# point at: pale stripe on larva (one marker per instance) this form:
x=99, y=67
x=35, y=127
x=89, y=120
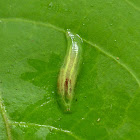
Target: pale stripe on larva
x=69, y=70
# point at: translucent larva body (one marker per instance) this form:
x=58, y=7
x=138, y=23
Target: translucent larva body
x=69, y=70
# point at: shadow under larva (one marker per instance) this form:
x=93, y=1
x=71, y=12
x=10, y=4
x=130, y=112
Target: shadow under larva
x=69, y=71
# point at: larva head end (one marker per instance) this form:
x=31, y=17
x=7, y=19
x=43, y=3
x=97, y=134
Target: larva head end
x=69, y=34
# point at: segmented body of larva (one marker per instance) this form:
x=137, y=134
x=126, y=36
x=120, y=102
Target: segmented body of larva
x=70, y=69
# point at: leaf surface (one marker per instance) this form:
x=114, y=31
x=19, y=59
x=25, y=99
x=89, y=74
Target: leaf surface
x=32, y=49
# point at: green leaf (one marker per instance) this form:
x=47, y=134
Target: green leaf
x=32, y=49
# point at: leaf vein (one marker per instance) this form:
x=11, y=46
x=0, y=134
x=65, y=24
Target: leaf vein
x=25, y=124
x=90, y=43
x=3, y=112
x=132, y=5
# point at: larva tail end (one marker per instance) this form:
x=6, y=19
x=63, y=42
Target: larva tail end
x=64, y=105
x=68, y=110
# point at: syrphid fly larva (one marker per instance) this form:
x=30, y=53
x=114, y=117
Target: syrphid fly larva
x=69, y=70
